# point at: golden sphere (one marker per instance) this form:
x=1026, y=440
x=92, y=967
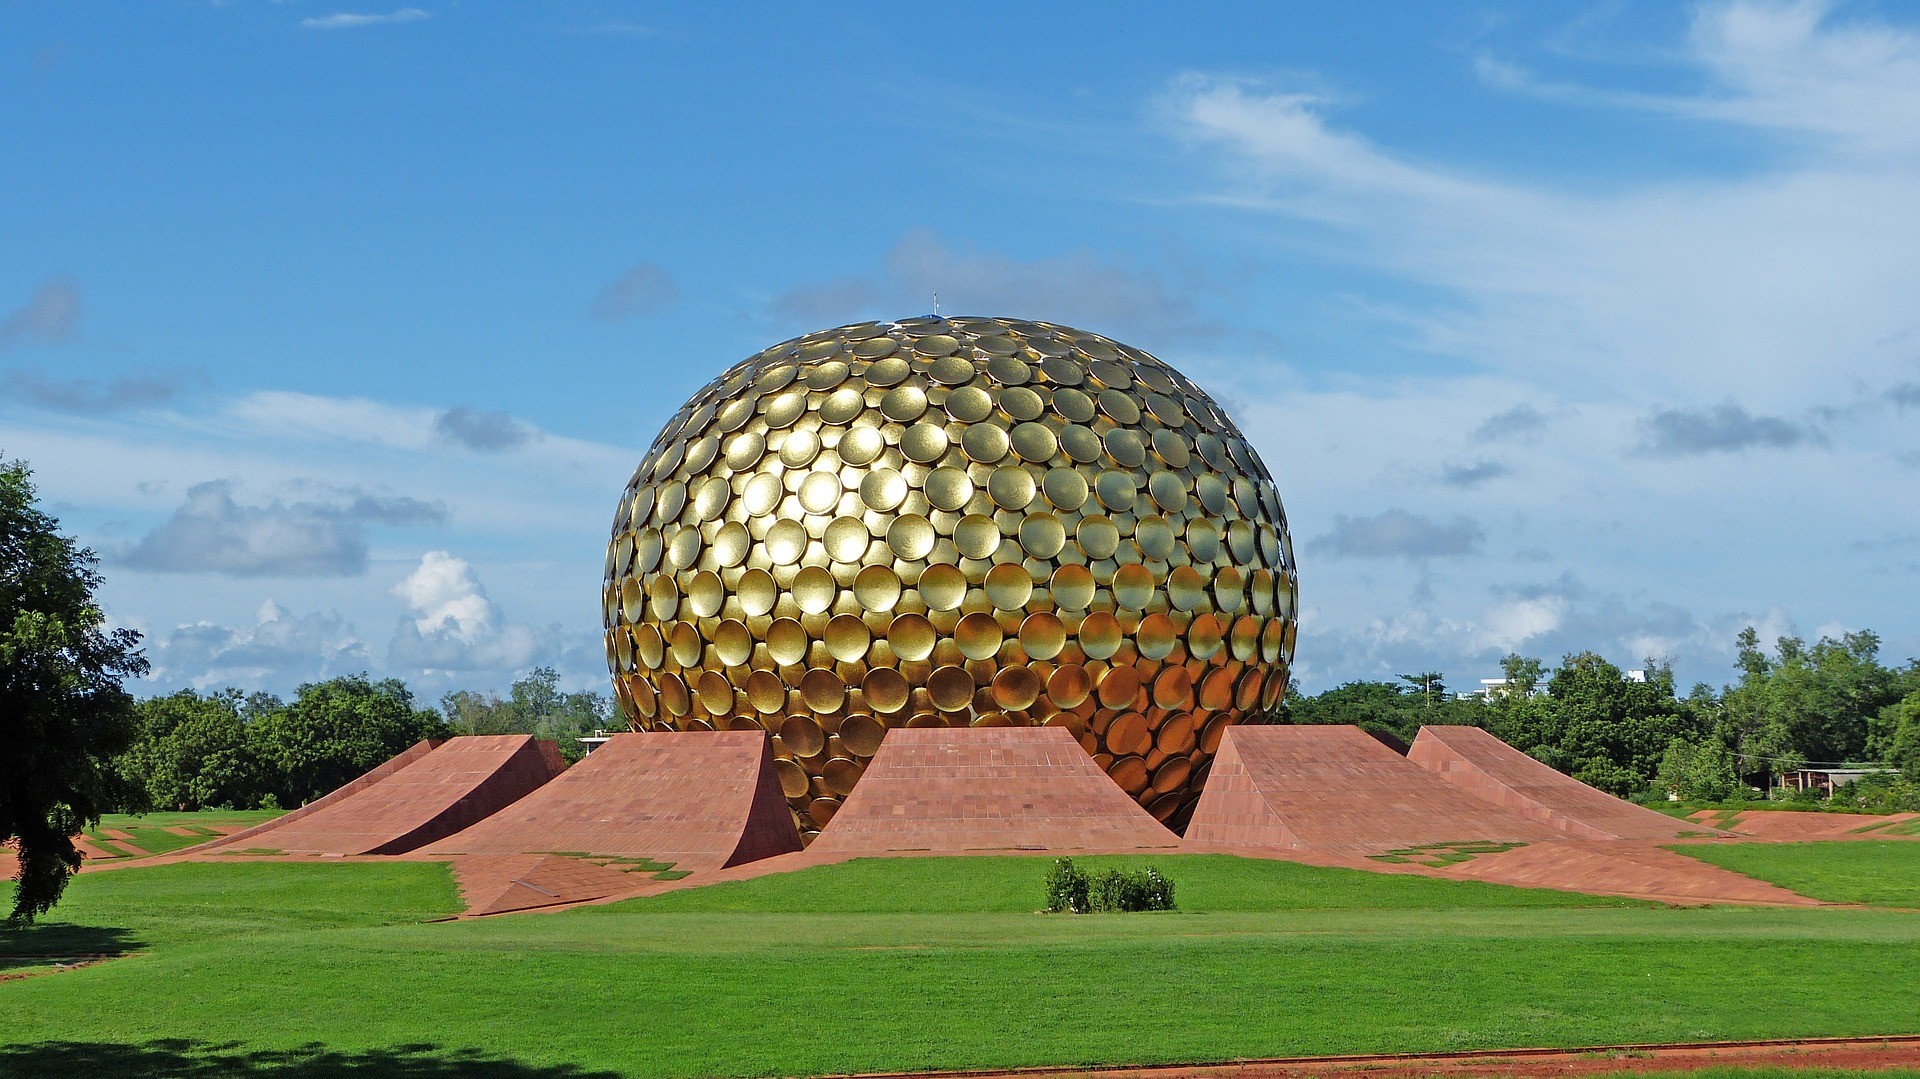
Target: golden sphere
x=952, y=522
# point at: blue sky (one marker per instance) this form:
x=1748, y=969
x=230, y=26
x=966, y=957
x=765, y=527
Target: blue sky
x=337, y=329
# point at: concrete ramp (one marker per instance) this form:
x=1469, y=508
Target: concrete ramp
x=423, y=794
x=1336, y=789
x=700, y=800
x=988, y=788
x=1492, y=770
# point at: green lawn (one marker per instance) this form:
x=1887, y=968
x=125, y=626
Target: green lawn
x=1883, y=874
x=150, y=835
x=914, y=963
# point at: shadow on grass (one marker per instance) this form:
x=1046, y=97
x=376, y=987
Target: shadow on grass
x=46, y=942
x=184, y=1059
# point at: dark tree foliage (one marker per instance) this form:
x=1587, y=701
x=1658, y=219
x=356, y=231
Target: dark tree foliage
x=1396, y=708
x=63, y=713
x=534, y=705
x=335, y=731
x=195, y=751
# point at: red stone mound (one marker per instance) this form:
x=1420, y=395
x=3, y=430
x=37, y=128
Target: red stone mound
x=432, y=793
x=1337, y=789
x=1495, y=771
x=987, y=788
x=698, y=799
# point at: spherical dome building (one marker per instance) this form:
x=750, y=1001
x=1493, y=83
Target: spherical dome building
x=952, y=522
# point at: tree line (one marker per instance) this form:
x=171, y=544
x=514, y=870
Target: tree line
x=1829, y=702
x=234, y=750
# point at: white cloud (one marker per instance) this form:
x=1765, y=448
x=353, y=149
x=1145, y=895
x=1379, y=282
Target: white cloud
x=278, y=649
x=454, y=626
x=347, y=20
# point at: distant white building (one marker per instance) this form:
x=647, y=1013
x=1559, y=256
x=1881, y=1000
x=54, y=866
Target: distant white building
x=1495, y=688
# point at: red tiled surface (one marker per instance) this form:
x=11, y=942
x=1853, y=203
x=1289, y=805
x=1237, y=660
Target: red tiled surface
x=1335, y=788
x=398, y=761
x=1788, y=825
x=699, y=799
x=502, y=883
x=987, y=788
x=1496, y=772
x=431, y=795
x=1635, y=869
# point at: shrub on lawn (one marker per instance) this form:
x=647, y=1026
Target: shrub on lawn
x=1071, y=890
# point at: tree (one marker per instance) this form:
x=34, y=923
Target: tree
x=335, y=731
x=64, y=715
x=535, y=705
x=1903, y=750
x=194, y=751
x=1819, y=703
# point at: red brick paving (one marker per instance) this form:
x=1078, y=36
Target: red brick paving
x=1334, y=788
x=1496, y=772
x=699, y=799
x=1779, y=824
x=987, y=788
x=347, y=790
x=1628, y=868
x=504, y=883
x=430, y=796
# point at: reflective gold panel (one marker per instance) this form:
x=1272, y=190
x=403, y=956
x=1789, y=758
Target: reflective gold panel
x=952, y=522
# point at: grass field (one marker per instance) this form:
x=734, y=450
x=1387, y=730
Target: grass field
x=914, y=963
x=1883, y=874
x=150, y=835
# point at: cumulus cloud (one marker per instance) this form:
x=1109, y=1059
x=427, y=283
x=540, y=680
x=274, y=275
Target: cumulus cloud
x=1475, y=474
x=1521, y=423
x=1399, y=534
x=643, y=290
x=90, y=397
x=348, y=20
x=213, y=533
x=280, y=648
x=1724, y=428
x=1079, y=288
x=453, y=625
x=51, y=315
x=487, y=432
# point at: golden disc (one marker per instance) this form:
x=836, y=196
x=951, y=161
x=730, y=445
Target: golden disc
x=1099, y=635
x=948, y=488
x=1098, y=536
x=885, y=689
x=1016, y=688
x=976, y=536
x=1173, y=689
x=911, y=536
x=786, y=542
x=903, y=404
x=883, y=490
x=1186, y=589
x=951, y=370
x=911, y=637
x=1118, y=687
x=1130, y=773
x=827, y=375
x=1117, y=491
x=1010, y=486
x=1020, y=404
x=732, y=643
x=861, y=446
x=1080, y=444
x=793, y=778
x=802, y=736
x=1216, y=690
x=1009, y=586
x=763, y=493
x=1042, y=635
x=685, y=643
x=847, y=638
x=985, y=443
x=1073, y=405
x=841, y=774
x=1072, y=588
x=813, y=589
x=1169, y=490
x=978, y=635
x=950, y=688
x=1033, y=442
x=731, y=544
x=943, y=587
x=1124, y=446
x=757, y=592
x=799, y=448
x=1204, y=637
x=716, y=693
x=877, y=588
x=1128, y=734
x=649, y=647
x=1069, y=685
x=786, y=642
x=969, y=404
x=820, y=492
x=846, y=540
x=924, y=443
x=862, y=734
x=1154, y=537
x=1157, y=636
x=1042, y=536
x=765, y=692
x=1133, y=587
x=1065, y=487
x=822, y=690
